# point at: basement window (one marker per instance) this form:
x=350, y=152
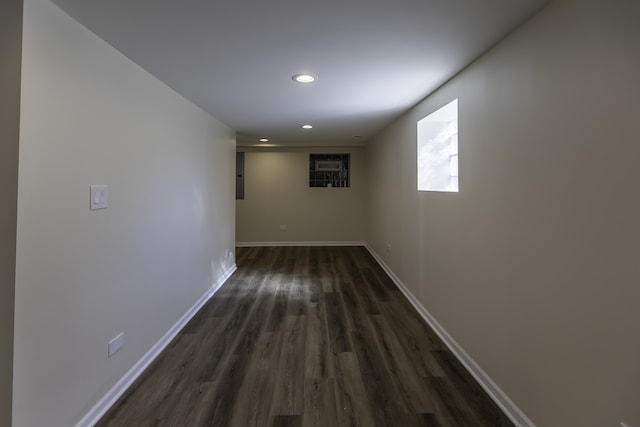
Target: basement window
x=328, y=170
x=438, y=150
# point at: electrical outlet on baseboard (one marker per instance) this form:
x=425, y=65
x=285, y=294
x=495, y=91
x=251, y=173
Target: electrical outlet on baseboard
x=116, y=343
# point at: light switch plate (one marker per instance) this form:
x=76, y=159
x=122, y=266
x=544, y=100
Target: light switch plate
x=99, y=195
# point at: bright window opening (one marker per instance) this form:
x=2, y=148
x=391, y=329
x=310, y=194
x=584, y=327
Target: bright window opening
x=438, y=150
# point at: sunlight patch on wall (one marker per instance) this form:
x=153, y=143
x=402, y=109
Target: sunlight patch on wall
x=438, y=150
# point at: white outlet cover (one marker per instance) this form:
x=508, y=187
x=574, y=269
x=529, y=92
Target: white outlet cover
x=99, y=197
x=116, y=344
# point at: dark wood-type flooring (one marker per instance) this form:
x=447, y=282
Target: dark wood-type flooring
x=306, y=336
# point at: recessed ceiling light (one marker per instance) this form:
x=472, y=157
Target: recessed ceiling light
x=264, y=140
x=304, y=78
x=307, y=126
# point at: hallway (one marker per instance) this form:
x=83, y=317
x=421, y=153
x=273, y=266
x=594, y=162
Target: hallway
x=306, y=336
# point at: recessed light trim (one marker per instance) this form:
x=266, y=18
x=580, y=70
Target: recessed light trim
x=304, y=78
x=307, y=126
x=264, y=139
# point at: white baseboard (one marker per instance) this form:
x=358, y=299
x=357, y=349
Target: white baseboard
x=109, y=399
x=316, y=243
x=497, y=395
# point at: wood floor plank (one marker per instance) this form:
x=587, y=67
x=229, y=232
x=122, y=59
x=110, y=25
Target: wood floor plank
x=191, y=405
x=355, y=286
x=336, y=322
x=450, y=408
x=314, y=263
x=318, y=358
x=233, y=369
x=378, y=288
x=469, y=391
x=280, y=288
x=298, y=298
x=288, y=393
x=286, y=421
x=155, y=387
x=319, y=403
x=301, y=261
x=199, y=408
x=253, y=405
x=352, y=404
x=370, y=287
x=306, y=336
x=313, y=287
x=428, y=420
x=411, y=387
x=417, y=340
x=284, y=262
x=382, y=394
x=215, y=348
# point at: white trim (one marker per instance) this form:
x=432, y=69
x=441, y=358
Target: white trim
x=104, y=404
x=317, y=243
x=497, y=395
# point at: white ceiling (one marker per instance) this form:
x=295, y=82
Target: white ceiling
x=373, y=59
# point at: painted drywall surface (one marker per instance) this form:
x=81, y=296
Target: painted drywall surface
x=90, y=116
x=533, y=267
x=277, y=193
x=10, y=58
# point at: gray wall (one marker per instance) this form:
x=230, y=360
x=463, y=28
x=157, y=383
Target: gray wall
x=10, y=64
x=91, y=116
x=533, y=267
x=277, y=192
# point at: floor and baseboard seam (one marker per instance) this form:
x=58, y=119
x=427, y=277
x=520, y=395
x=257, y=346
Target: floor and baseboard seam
x=490, y=387
x=112, y=396
x=309, y=243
